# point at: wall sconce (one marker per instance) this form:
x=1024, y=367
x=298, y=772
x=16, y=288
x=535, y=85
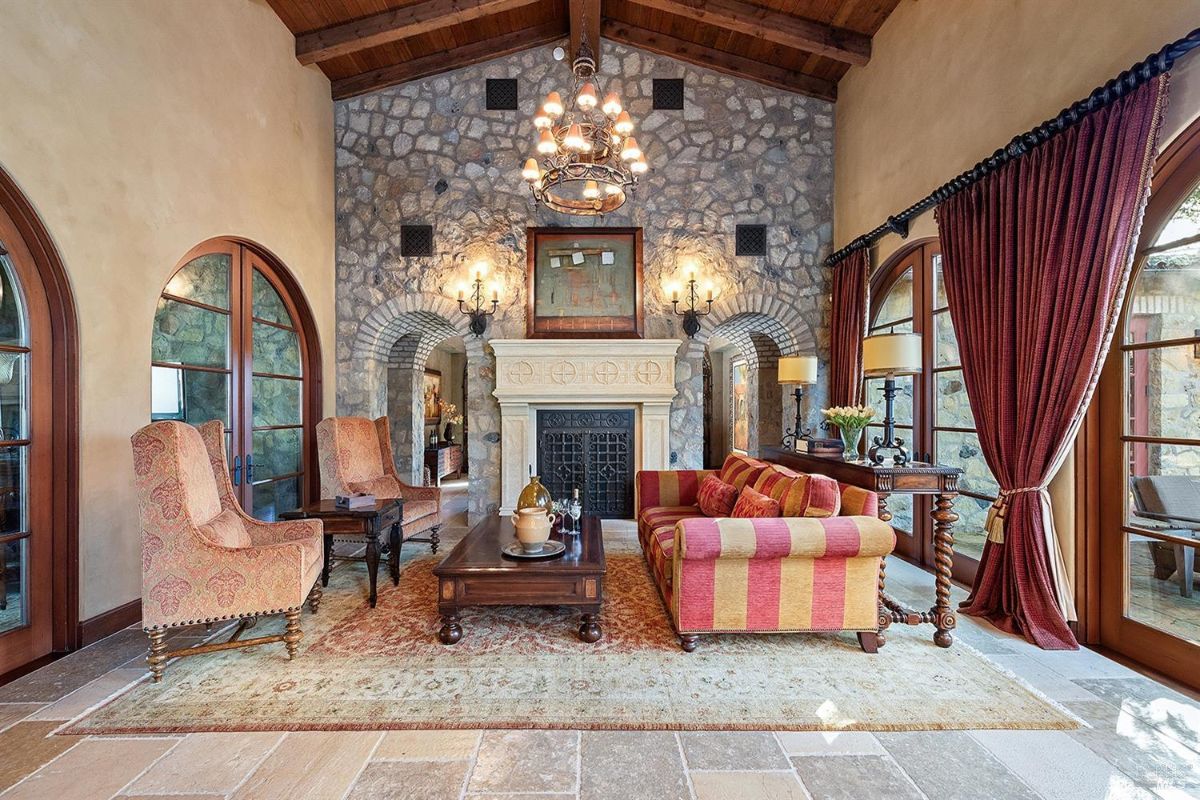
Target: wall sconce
x=475, y=307
x=801, y=371
x=691, y=315
x=889, y=355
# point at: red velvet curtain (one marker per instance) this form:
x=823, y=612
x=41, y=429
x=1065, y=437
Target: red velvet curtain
x=1036, y=261
x=847, y=326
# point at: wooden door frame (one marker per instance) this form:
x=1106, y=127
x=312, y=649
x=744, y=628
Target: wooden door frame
x=297, y=305
x=1100, y=493
x=64, y=379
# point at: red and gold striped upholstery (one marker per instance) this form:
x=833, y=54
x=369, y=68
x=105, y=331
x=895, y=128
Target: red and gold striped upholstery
x=761, y=574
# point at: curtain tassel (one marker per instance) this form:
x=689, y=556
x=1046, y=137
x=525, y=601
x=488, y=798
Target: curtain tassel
x=999, y=511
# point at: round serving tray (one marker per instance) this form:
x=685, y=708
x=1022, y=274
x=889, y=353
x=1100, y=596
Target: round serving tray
x=550, y=549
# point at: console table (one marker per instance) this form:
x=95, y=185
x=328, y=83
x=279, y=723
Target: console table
x=445, y=459
x=885, y=479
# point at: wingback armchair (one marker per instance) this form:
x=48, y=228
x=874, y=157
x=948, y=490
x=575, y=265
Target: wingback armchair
x=204, y=560
x=356, y=457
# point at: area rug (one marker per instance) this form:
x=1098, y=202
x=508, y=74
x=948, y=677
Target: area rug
x=383, y=668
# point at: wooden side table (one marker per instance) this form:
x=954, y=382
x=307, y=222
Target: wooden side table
x=369, y=522
x=914, y=477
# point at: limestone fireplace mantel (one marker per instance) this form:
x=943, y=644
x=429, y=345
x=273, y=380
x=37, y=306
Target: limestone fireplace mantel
x=533, y=374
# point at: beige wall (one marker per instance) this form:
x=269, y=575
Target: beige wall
x=139, y=128
x=952, y=80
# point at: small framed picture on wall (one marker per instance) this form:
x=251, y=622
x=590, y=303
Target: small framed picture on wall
x=433, y=396
x=740, y=372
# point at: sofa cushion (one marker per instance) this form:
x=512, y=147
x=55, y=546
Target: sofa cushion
x=741, y=471
x=716, y=498
x=755, y=504
x=656, y=516
x=812, y=496
x=774, y=481
x=226, y=530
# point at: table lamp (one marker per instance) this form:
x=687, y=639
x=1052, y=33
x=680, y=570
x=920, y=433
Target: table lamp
x=801, y=371
x=889, y=355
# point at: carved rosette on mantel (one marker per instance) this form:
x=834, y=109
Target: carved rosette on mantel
x=533, y=374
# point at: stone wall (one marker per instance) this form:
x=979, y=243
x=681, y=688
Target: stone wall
x=427, y=152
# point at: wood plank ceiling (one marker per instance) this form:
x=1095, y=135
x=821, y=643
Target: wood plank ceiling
x=800, y=45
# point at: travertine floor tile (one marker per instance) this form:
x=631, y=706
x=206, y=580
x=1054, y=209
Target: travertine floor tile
x=621, y=765
x=25, y=748
x=11, y=713
x=207, y=762
x=816, y=743
x=747, y=786
x=427, y=745
x=170, y=797
x=311, y=765
x=54, y=681
x=1151, y=758
x=526, y=761
x=1042, y=678
x=520, y=796
x=854, y=778
x=95, y=768
x=1073, y=773
x=88, y=695
x=1171, y=712
x=963, y=769
x=410, y=780
x=732, y=750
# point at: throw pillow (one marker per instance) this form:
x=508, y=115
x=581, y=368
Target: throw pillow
x=740, y=471
x=813, y=496
x=716, y=498
x=755, y=504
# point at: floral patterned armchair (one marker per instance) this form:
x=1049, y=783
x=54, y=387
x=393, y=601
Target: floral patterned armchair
x=204, y=560
x=356, y=457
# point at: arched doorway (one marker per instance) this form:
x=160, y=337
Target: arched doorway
x=1149, y=448
x=234, y=340
x=39, y=458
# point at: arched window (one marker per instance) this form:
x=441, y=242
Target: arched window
x=1150, y=440
x=932, y=410
x=232, y=341
x=38, y=440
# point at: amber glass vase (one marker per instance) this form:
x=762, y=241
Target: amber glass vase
x=535, y=495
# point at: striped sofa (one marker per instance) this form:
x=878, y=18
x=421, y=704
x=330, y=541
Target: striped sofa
x=725, y=575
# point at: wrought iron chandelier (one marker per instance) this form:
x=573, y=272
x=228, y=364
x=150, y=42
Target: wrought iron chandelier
x=589, y=159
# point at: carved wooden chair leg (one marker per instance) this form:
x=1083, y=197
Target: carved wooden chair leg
x=157, y=657
x=314, y=597
x=689, y=642
x=868, y=641
x=434, y=539
x=292, y=634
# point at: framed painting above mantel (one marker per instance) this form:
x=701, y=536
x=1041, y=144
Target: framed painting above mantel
x=584, y=283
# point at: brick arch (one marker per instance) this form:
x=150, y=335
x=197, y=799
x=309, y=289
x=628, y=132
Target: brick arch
x=748, y=315
x=432, y=316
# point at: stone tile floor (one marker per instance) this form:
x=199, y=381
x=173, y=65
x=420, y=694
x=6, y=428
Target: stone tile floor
x=1144, y=743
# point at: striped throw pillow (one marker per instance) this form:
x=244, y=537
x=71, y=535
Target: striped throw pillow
x=755, y=504
x=740, y=471
x=812, y=496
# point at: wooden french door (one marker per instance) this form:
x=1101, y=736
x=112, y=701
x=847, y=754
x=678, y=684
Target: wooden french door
x=229, y=345
x=26, y=458
x=932, y=411
x=1149, y=407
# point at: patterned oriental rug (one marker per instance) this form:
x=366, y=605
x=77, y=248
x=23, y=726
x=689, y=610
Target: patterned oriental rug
x=524, y=668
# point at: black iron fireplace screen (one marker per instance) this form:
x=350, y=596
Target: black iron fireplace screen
x=592, y=451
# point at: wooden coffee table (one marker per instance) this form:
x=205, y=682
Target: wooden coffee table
x=477, y=574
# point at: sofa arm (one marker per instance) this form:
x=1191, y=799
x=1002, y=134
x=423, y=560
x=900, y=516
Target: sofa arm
x=707, y=539
x=669, y=487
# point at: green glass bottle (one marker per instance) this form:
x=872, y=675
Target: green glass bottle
x=535, y=495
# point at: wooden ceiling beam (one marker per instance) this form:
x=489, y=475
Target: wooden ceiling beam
x=446, y=60
x=784, y=29
x=720, y=60
x=389, y=26
x=585, y=21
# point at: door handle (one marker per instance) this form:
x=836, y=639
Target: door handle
x=249, y=468
x=237, y=470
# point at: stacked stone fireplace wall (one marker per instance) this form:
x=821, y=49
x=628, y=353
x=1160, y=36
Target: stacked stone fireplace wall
x=427, y=152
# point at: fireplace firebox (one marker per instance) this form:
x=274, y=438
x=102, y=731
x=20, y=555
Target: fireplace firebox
x=593, y=451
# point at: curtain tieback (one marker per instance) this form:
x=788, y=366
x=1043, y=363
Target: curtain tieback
x=999, y=510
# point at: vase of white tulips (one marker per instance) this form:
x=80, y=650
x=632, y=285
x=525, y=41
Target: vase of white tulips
x=850, y=421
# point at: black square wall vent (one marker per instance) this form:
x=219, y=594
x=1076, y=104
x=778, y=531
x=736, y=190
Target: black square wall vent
x=751, y=240
x=416, y=240
x=668, y=94
x=501, y=94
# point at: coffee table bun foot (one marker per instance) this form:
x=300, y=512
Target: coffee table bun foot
x=589, y=629
x=450, y=631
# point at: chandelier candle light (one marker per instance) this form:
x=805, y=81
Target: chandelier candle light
x=477, y=309
x=589, y=158
x=691, y=315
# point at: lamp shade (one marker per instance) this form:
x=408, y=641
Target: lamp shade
x=892, y=354
x=798, y=369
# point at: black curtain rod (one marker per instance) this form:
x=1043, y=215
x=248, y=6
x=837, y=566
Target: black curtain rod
x=1140, y=73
